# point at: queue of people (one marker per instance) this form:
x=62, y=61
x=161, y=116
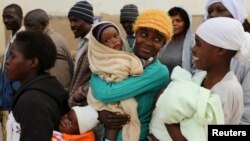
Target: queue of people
x=144, y=87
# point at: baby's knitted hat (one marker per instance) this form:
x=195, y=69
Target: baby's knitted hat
x=82, y=10
x=129, y=12
x=97, y=31
x=157, y=20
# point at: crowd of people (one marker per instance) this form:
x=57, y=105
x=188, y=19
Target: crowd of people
x=160, y=83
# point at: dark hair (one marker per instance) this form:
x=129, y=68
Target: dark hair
x=39, y=15
x=34, y=44
x=17, y=8
x=246, y=25
x=183, y=14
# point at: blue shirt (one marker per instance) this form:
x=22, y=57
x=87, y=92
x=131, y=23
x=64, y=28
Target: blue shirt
x=7, y=89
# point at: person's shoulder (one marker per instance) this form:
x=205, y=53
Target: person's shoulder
x=57, y=35
x=230, y=79
x=229, y=86
x=157, y=64
x=237, y=66
x=57, y=38
x=30, y=100
x=32, y=95
x=156, y=67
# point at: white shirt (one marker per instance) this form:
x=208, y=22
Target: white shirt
x=231, y=95
x=82, y=47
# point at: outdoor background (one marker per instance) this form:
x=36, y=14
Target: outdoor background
x=106, y=9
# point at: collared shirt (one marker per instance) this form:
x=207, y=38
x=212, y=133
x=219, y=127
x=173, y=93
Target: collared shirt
x=82, y=47
x=131, y=40
x=11, y=40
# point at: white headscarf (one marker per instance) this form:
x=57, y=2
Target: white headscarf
x=226, y=33
x=235, y=7
x=187, y=45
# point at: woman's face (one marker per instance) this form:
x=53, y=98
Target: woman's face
x=203, y=53
x=178, y=24
x=217, y=9
x=17, y=66
x=69, y=124
x=148, y=43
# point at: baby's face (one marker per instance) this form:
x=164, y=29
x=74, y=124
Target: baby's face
x=111, y=38
x=68, y=123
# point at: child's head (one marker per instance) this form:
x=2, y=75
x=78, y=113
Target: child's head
x=108, y=34
x=217, y=43
x=78, y=120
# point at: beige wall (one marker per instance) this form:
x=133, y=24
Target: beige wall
x=108, y=9
x=61, y=25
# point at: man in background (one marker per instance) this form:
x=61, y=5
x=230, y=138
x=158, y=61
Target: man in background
x=12, y=19
x=81, y=18
x=128, y=15
x=38, y=20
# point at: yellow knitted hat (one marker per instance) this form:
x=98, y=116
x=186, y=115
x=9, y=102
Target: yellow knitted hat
x=155, y=19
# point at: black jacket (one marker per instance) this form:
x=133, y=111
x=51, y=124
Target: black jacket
x=38, y=106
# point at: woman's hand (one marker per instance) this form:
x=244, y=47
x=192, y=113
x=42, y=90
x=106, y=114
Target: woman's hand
x=113, y=120
x=151, y=137
x=174, y=131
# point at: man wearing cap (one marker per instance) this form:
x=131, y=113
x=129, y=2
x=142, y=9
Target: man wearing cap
x=81, y=18
x=129, y=13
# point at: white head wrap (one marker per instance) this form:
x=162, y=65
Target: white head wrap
x=235, y=7
x=226, y=33
x=187, y=45
x=86, y=117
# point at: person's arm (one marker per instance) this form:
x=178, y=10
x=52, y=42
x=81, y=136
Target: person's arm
x=155, y=76
x=159, y=94
x=193, y=67
x=151, y=137
x=78, y=98
x=246, y=91
x=63, y=68
x=61, y=71
x=112, y=120
x=243, y=75
x=111, y=133
x=174, y=130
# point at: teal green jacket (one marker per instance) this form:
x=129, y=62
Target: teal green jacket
x=143, y=88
